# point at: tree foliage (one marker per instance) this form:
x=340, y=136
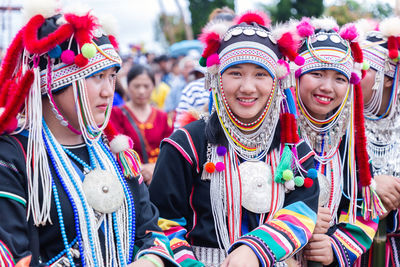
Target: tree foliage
x=283, y=10
x=200, y=10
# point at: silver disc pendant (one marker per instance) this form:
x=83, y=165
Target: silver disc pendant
x=103, y=191
x=324, y=190
x=256, y=177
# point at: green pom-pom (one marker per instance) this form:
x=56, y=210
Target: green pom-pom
x=287, y=175
x=365, y=65
x=203, y=62
x=88, y=50
x=396, y=59
x=298, y=181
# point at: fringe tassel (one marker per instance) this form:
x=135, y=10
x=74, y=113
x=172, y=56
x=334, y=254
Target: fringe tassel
x=372, y=206
x=129, y=162
x=284, y=164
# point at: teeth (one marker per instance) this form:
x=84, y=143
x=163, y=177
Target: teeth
x=246, y=100
x=324, y=98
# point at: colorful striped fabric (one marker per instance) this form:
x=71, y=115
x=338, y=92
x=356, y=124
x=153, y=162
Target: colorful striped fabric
x=6, y=258
x=175, y=230
x=349, y=241
x=160, y=248
x=283, y=236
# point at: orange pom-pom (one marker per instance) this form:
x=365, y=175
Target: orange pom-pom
x=209, y=167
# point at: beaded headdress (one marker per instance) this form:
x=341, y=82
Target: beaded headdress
x=325, y=47
x=381, y=51
x=249, y=41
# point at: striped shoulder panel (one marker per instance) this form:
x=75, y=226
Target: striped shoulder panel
x=183, y=142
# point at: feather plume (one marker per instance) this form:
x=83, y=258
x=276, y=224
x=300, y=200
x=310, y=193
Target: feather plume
x=390, y=27
x=219, y=27
x=305, y=28
x=254, y=16
x=325, y=23
x=349, y=32
x=46, y=8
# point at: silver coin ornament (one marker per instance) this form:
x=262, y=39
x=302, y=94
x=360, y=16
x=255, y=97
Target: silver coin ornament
x=324, y=190
x=256, y=178
x=103, y=191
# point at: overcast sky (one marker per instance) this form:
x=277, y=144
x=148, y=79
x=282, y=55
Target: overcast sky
x=136, y=18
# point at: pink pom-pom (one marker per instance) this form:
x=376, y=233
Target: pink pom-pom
x=336, y=28
x=349, y=32
x=67, y=57
x=297, y=73
x=355, y=78
x=304, y=28
x=220, y=166
x=299, y=60
x=213, y=60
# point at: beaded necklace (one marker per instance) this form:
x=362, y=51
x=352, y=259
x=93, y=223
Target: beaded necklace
x=119, y=226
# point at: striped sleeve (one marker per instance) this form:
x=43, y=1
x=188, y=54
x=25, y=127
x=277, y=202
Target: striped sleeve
x=393, y=220
x=6, y=258
x=349, y=241
x=175, y=230
x=292, y=226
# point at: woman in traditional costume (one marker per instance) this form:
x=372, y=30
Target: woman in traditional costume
x=238, y=188
x=64, y=199
x=382, y=123
x=330, y=119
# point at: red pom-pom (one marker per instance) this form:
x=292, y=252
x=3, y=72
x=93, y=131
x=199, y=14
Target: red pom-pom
x=308, y=182
x=288, y=46
x=67, y=57
x=363, y=74
x=257, y=17
x=209, y=167
x=212, y=42
x=81, y=61
x=220, y=166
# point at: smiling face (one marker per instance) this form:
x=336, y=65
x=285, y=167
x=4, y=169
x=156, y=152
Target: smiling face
x=100, y=91
x=247, y=88
x=321, y=91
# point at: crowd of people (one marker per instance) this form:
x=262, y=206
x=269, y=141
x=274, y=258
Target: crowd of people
x=279, y=145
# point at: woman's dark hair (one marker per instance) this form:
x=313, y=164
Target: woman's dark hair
x=139, y=69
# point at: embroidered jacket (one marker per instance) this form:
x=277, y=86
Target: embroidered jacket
x=44, y=243
x=185, y=207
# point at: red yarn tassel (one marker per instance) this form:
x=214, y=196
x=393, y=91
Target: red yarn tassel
x=83, y=25
x=357, y=52
x=392, y=47
x=35, y=46
x=15, y=103
x=5, y=92
x=361, y=140
x=10, y=60
x=113, y=41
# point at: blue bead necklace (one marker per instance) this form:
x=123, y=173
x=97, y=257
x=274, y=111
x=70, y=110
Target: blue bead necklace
x=81, y=197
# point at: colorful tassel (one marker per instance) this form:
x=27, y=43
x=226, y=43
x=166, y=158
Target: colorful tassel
x=284, y=164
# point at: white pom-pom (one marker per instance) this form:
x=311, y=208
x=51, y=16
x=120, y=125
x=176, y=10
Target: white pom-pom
x=77, y=9
x=364, y=26
x=120, y=143
x=109, y=24
x=46, y=8
x=325, y=23
x=220, y=27
x=281, y=71
x=289, y=184
x=390, y=27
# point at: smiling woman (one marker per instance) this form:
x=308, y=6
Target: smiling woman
x=228, y=184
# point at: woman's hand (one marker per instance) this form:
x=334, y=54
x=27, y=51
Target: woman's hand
x=323, y=219
x=143, y=262
x=388, y=189
x=147, y=172
x=319, y=249
x=242, y=256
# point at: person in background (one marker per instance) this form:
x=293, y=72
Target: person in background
x=165, y=63
x=146, y=125
x=71, y=189
x=161, y=89
x=194, y=100
x=382, y=123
